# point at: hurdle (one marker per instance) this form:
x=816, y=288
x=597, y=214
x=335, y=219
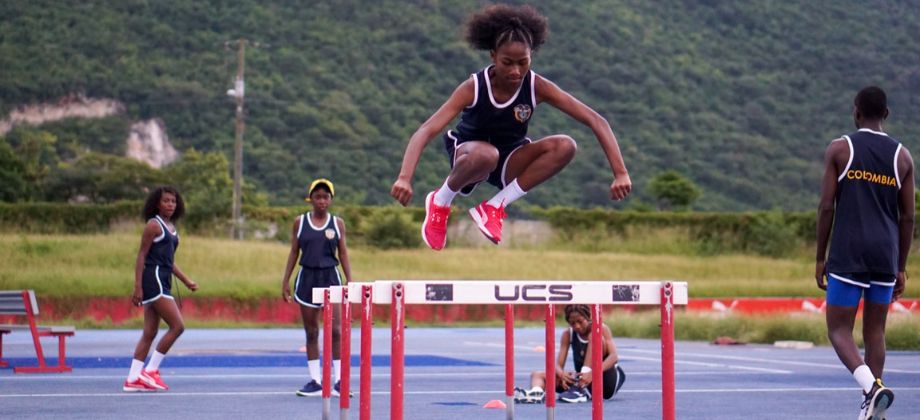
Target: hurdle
x=397, y=294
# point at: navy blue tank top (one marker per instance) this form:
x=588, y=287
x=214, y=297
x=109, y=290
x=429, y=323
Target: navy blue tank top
x=865, y=234
x=499, y=124
x=163, y=249
x=318, y=244
x=579, y=348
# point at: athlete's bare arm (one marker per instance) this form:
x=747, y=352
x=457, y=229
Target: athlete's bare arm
x=905, y=219
x=292, y=259
x=835, y=159
x=343, y=251
x=552, y=94
x=461, y=98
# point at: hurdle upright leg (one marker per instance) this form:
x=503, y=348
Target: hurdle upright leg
x=597, y=363
x=345, y=377
x=550, y=362
x=367, y=321
x=397, y=352
x=327, y=355
x=509, y=361
x=668, y=411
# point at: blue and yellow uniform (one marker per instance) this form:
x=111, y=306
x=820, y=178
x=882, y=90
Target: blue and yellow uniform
x=503, y=125
x=318, y=261
x=864, y=241
x=158, y=264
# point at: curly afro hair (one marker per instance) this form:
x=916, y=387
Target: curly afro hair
x=498, y=24
x=152, y=204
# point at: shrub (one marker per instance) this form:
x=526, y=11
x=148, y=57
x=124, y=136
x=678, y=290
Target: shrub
x=392, y=229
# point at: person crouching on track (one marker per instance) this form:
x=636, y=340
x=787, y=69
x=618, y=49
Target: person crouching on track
x=153, y=271
x=575, y=386
x=317, y=237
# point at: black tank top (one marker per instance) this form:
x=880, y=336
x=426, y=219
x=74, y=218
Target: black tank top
x=163, y=249
x=865, y=232
x=499, y=124
x=579, y=348
x=318, y=244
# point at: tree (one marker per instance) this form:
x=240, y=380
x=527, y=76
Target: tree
x=102, y=178
x=205, y=183
x=674, y=191
x=13, y=184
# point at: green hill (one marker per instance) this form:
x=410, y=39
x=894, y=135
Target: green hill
x=741, y=97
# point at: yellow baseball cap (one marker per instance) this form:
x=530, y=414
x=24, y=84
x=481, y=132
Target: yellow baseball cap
x=317, y=182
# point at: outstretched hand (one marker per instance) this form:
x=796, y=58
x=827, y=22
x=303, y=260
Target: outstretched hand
x=402, y=191
x=621, y=187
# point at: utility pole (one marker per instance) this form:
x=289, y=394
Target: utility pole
x=238, y=92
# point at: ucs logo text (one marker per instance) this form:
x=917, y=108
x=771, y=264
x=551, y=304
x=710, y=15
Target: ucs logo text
x=534, y=293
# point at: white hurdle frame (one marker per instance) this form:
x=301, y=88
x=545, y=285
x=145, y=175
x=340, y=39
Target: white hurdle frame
x=397, y=294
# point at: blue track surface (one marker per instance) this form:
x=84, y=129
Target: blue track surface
x=450, y=374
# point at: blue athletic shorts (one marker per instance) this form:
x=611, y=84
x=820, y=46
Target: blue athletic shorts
x=847, y=289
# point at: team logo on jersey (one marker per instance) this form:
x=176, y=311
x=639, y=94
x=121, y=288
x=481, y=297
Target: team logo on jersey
x=330, y=233
x=522, y=113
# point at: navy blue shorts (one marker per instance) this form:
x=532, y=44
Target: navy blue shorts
x=846, y=289
x=156, y=283
x=497, y=176
x=310, y=278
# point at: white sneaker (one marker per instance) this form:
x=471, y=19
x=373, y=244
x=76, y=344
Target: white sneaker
x=876, y=403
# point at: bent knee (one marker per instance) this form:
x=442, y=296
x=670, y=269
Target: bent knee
x=479, y=157
x=565, y=146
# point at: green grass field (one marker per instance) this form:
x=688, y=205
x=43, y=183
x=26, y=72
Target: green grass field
x=103, y=265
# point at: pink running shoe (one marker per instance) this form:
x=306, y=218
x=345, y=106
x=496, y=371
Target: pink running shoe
x=153, y=380
x=489, y=220
x=434, y=228
x=138, y=385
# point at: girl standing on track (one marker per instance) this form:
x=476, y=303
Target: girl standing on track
x=574, y=386
x=490, y=142
x=153, y=272
x=317, y=237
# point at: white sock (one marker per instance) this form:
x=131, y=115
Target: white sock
x=337, y=369
x=154, y=361
x=864, y=377
x=135, y=372
x=507, y=195
x=314, y=370
x=444, y=195
x=536, y=389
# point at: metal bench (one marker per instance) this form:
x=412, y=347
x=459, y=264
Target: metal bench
x=23, y=303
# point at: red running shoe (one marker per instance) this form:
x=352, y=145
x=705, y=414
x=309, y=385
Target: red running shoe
x=489, y=220
x=153, y=380
x=138, y=385
x=434, y=228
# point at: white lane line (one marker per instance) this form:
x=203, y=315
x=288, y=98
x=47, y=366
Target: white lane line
x=715, y=365
x=447, y=392
x=764, y=360
x=495, y=374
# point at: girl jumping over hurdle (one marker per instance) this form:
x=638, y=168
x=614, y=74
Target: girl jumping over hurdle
x=574, y=386
x=490, y=142
x=153, y=271
x=318, y=238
